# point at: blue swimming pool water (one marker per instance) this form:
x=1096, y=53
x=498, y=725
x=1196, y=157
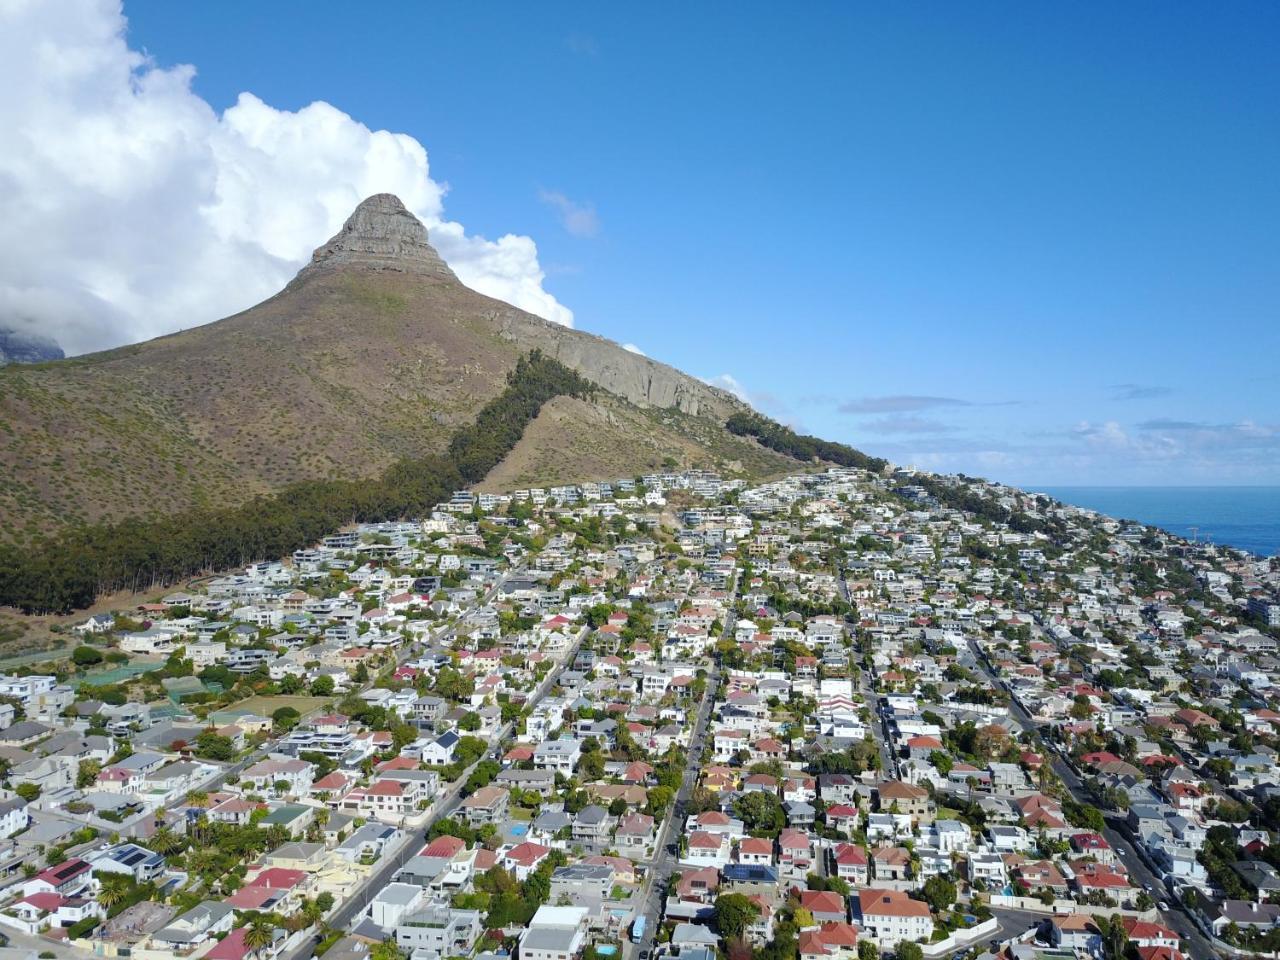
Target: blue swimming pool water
x=519, y=830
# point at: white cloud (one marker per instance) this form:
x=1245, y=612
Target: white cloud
x=579, y=219
x=727, y=382
x=132, y=208
x=634, y=349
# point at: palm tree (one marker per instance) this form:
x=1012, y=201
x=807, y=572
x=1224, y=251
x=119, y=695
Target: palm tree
x=115, y=887
x=259, y=934
x=311, y=913
x=204, y=860
x=164, y=842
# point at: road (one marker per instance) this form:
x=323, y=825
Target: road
x=652, y=894
x=446, y=803
x=889, y=762
x=1176, y=918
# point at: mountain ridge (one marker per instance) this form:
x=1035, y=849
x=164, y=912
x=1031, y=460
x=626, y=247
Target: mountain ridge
x=373, y=353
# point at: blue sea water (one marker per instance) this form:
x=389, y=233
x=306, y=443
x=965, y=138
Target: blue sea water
x=1247, y=518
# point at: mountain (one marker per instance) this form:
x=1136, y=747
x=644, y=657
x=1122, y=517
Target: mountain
x=19, y=347
x=373, y=353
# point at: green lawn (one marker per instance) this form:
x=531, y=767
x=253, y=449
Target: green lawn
x=265, y=706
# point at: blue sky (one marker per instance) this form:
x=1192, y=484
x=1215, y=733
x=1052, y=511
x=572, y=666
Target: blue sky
x=1034, y=242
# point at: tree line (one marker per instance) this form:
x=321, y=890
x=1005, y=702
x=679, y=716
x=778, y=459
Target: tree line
x=71, y=570
x=784, y=440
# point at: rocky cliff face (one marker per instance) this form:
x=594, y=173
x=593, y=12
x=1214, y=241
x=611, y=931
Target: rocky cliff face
x=381, y=235
x=644, y=382
x=16, y=347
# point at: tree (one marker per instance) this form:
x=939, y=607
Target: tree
x=761, y=813
x=942, y=762
x=291, y=684
x=733, y=913
x=115, y=887
x=386, y=950
x=908, y=950
x=311, y=913
x=214, y=746
x=87, y=773
x=867, y=950
x=285, y=718
x=940, y=893
x=802, y=918
x=322, y=686
x=660, y=798
x=164, y=842
x=83, y=656
x=470, y=721
x=29, y=792
x=259, y=934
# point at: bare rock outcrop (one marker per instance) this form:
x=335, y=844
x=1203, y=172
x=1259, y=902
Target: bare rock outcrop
x=642, y=381
x=382, y=235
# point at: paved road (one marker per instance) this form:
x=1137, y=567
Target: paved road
x=1176, y=918
x=879, y=726
x=652, y=895
x=446, y=803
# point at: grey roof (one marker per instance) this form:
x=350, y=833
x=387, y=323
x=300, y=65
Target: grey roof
x=582, y=871
x=297, y=851
x=191, y=926
x=553, y=820
x=24, y=730
x=399, y=893
x=592, y=813
x=694, y=933
x=554, y=939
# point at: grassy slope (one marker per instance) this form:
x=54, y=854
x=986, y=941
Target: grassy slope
x=339, y=376
x=608, y=438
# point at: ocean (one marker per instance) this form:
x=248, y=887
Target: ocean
x=1244, y=517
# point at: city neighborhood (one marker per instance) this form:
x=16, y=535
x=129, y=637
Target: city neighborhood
x=832, y=716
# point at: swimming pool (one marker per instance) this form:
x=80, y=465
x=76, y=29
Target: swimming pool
x=519, y=829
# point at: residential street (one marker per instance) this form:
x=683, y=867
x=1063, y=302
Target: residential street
x=1176, y=917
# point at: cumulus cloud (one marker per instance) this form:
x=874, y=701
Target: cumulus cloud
x=132, y=208
x=634, y=349
x=579, y=219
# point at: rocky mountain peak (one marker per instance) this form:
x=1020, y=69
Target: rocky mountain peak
x=381, y=234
